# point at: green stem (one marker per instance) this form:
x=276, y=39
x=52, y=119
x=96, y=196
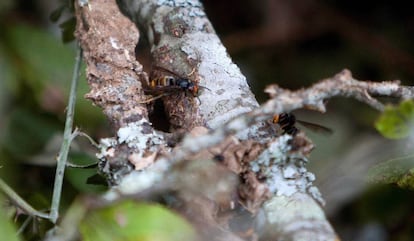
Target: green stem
x=67, y=137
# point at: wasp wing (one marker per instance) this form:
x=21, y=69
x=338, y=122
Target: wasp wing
x=316, y=127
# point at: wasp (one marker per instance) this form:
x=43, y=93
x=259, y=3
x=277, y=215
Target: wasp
x=287, y=123
x=168, y=83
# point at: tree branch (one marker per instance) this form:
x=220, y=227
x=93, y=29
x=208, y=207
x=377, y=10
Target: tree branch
x=342, y=84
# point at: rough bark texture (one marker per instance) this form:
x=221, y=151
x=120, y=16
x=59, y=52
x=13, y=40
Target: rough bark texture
x=108, y=41
x=183, y=41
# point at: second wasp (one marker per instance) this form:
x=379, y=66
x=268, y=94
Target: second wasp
x=287, y=122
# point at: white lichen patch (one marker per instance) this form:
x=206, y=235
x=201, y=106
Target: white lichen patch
x=302, y=206
x=284, y=171
x=290, y=172
x=138, y=181
x=387, y=89
x=136, y=136
x=133, y=183
x=314, y=192
x=106, y=147
x=180, y=3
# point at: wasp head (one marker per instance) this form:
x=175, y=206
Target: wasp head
x=188, y=85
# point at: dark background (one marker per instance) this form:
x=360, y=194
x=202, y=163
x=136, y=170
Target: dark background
x=289, y=42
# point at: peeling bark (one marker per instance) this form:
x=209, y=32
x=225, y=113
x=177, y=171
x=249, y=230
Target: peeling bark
x=114, y=76
x=108, y=40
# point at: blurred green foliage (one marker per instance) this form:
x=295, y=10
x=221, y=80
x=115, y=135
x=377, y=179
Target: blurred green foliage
x=24, y=126
x=7, y=230
x=36, y=82
x=135, y=221
x=399, y=171
x=36, y=69
x=397, y=122
x=78, y=176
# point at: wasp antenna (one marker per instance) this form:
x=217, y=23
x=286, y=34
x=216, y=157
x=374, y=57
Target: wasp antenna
x=203, y=87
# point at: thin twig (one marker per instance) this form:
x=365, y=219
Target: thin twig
x=19, y=202
x=86, y=166
x=24, y=225
x=83, y=134
x=67, y=137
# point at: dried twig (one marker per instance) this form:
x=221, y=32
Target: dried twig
x=342, y=84
x=20, y=202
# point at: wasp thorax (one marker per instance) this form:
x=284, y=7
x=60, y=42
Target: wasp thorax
x=185, y=83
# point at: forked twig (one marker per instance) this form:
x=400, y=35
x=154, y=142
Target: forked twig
x=68, y=136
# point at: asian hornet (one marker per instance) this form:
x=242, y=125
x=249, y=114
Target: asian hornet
x=287, y=122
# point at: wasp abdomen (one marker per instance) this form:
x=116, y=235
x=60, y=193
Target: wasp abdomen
x=286, y=122
x=163, y=81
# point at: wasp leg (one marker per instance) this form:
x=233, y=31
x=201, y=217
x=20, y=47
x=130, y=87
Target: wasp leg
x=153, y=98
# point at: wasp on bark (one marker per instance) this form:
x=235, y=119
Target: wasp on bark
x=166, y=82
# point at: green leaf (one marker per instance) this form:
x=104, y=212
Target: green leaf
x=136, y=222
x=7, y=230
x=78, y=176
x=45, y=62
x=27, y=132
x=68, y=29
x=399, y=171
x=43, y=59
x=397, y=122
x=9, y=78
